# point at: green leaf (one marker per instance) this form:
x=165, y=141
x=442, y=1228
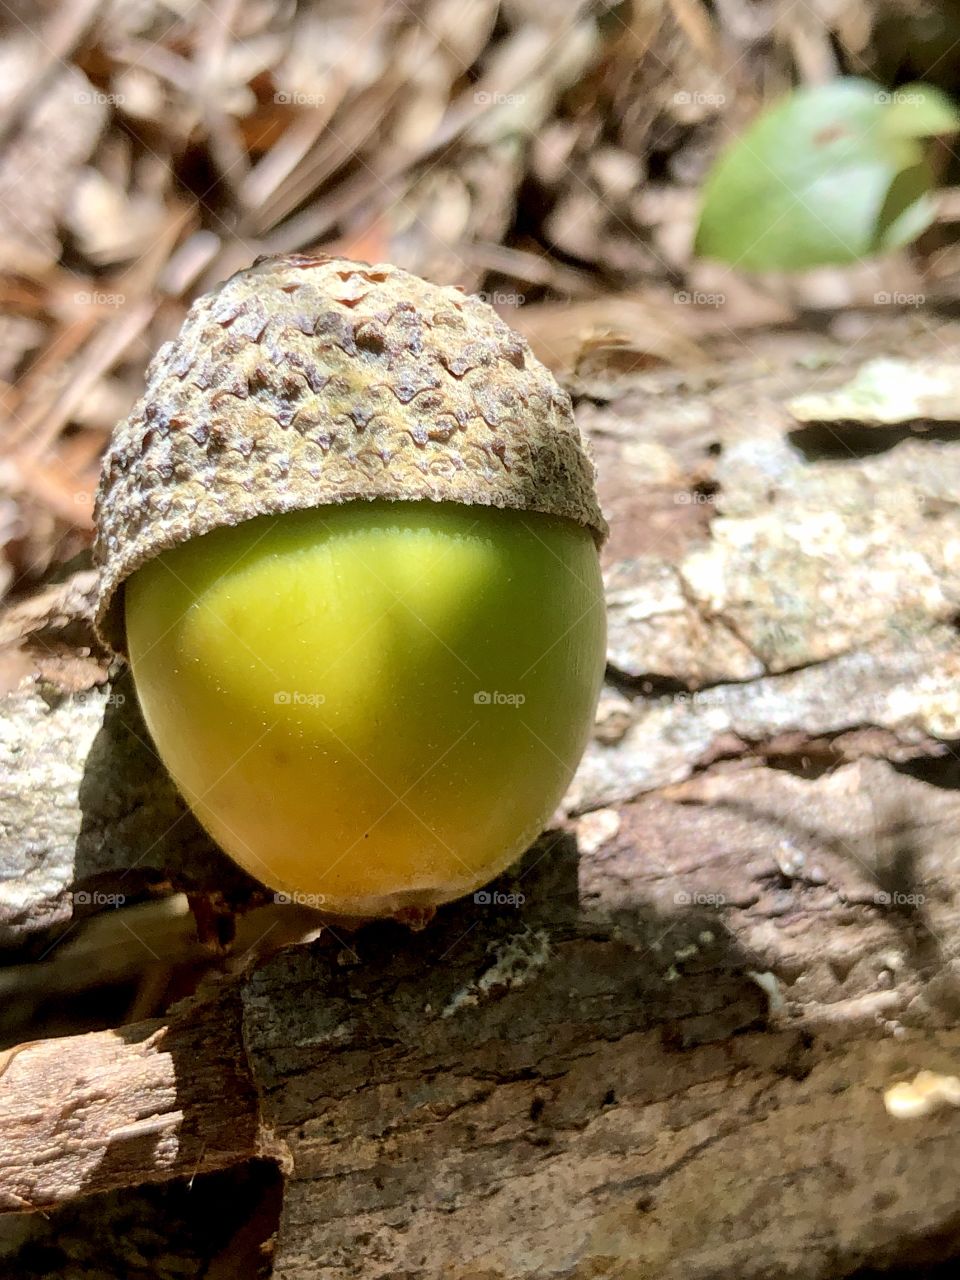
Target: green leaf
x=831, y=174
x=918, y=111
x=908, y=208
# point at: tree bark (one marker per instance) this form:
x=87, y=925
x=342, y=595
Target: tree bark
x=666, y=1048
x=112, y=1109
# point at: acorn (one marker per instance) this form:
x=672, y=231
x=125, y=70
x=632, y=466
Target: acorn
x=348, y=542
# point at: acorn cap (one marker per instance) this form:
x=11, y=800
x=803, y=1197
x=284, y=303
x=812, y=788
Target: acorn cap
x=304, y=381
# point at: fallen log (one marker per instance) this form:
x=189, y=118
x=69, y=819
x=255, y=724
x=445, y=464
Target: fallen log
x=665, y=1044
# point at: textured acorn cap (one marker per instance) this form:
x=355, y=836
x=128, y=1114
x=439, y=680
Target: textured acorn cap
x=305, y=381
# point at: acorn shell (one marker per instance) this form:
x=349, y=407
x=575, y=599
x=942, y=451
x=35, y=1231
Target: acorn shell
x=304, y=381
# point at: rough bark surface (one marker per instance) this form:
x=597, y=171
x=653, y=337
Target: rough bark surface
x=111, y=1109
x=663, y=1049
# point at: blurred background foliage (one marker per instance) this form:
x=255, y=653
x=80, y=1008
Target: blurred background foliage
x=552, y=155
